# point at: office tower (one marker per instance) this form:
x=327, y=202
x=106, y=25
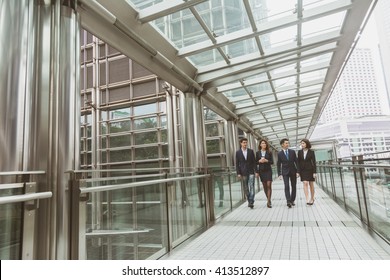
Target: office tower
x=381, y=13
x=356, y=93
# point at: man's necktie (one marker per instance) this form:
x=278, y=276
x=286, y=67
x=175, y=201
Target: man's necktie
x=287, y=154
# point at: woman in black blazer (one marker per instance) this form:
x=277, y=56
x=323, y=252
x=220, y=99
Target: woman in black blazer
x=308, y=169
x=264, y=160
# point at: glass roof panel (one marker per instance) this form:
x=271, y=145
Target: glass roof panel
x=309, y=4
x=313, y=75
x=284, y=82
x=216, y=37
x=235, y=93
x=278, y=37
x=206, y=58
x=286, y=94
x=284, y=69
x=235, y=19
x=322, y=25
x=271, y=114
x=325, y=58
x=142, y=4
x=311, y=89
x=260, y=88
x=244, y=103
x=241, y=48
x=192, y=31
x=267, y=98
x=271, y=10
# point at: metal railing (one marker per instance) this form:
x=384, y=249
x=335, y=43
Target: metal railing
x=144, y=213
x=362, y=185
x=19, y=200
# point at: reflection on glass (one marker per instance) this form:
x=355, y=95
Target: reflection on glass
x=146, y=153
x=145, y=109
x=145, y=123
x=149, y=137
x=11, y=224
x=127, y=224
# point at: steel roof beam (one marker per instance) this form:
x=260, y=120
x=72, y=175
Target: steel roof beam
x=165, y=8
x=265, y=28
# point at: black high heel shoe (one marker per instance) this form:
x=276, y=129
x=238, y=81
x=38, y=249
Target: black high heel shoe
x=311, y=203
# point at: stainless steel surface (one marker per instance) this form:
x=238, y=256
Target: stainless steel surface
x=15, y=78
x=192, y=129
x=25, y=197
x=39, y=110
x=84, y=190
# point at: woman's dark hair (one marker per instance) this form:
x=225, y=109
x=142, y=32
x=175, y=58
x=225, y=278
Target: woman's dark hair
x=266, y=143
x=308, y=145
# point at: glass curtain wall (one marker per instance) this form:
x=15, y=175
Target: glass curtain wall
x=124, y=125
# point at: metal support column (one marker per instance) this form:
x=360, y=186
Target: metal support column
x=39, y=121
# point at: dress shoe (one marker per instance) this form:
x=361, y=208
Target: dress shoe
x=311, y=203
x=292, y=203
x=251, y=206
x=288, y=204
x=269, y=205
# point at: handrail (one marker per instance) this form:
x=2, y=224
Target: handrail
x=11, y=186
x=120, y=177
x=11, y=173
x=135, y=169
x=84, y=190
x=25, y=197
x=368, y=154
x=354, y=165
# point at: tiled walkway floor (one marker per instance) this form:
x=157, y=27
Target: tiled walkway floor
x=321, y=231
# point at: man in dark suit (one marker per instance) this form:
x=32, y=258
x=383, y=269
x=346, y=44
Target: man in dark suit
x=246, y=168
x=288, y=169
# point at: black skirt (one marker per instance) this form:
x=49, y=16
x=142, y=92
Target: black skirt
x=266, y=175
x=306, y=175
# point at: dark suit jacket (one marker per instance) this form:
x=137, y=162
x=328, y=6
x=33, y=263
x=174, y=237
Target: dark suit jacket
x=244, y=167
x=267, y=165
x=308, y=163
x=287, y=166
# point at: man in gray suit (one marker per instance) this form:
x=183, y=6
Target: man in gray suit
x=288, y=169
x=246, y=169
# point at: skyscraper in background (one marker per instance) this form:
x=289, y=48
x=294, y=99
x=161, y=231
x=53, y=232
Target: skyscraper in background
x=382, y=12
x=356, y=115
x=356, y=93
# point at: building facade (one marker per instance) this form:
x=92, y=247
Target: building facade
x=356, y=93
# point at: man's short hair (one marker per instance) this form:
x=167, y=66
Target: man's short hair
x=243, y=139
x=283, y=140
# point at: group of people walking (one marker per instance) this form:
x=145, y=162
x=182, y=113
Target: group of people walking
x=290, y=166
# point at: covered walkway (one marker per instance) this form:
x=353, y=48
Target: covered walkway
x=324, y=231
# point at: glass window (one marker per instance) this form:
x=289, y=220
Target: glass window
x=145, y=123
x=213, y=146
x=146, y=138
x=146, y=153
x=212, y=130
x=119, y=141
x=119, y=113
x=120, y=155
x=119, y=126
